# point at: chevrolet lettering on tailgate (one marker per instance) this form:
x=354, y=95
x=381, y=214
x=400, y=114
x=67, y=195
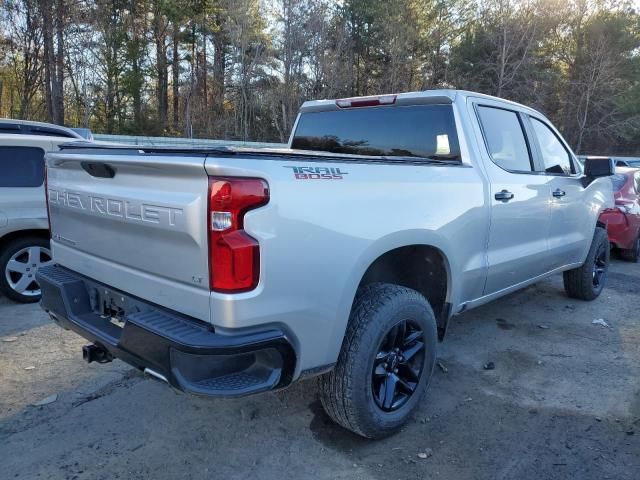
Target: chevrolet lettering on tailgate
x=127, y=210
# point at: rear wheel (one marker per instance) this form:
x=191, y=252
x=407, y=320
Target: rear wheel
x=19, y=261
x=632, y=254
x=586, y=282
x=385, y=364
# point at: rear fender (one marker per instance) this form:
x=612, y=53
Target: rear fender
x=375, y=251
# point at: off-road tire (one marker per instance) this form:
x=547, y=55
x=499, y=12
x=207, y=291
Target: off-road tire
x=579, y=283
x=346, y=392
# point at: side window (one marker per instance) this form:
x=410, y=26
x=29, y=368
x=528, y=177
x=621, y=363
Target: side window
x=505, y=139
x=21, y=167
x=637, y=182
x=554, y=155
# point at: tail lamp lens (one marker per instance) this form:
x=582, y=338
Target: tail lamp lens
x=234, y=256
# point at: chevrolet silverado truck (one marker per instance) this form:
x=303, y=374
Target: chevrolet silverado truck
x=229, y=271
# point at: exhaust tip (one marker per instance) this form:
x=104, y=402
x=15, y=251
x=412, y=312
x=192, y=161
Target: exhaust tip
x=156, y=375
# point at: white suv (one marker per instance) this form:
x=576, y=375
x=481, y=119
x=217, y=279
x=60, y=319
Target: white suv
x=24, y=230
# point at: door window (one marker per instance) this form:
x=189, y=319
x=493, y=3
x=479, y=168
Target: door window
x=555, y=156
x=505, y=140
x=21, y=166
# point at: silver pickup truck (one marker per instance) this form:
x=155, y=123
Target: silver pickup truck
x=228, y=272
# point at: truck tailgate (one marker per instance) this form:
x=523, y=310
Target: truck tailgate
x=120, y=218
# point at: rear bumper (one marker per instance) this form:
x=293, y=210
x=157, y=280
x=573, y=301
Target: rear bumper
x=619, y=229
x=189, y=354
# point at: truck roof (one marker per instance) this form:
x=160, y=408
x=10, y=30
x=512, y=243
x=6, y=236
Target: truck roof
x=444, y=95
x=427, y=97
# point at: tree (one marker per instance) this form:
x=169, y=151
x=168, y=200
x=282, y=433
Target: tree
x=240, y=69
x=108, y=17
x=135, y=45
x=248, y=49
x=497, y=54
x=24, y=49
x=598, y=55
x=160, y=31
x=54, y=16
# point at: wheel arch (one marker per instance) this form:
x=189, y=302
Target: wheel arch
x=29, y=232
x=421, y=267
x=376, y=264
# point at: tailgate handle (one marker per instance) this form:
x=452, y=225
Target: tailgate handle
x=101, y=170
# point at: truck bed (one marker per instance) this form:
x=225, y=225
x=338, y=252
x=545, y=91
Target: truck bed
x=253, y=153
x=144, y=229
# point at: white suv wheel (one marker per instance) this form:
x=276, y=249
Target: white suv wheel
x=22, y=267
x=20, y=259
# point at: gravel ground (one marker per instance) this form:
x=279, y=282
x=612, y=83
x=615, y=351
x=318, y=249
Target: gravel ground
x=563, y=401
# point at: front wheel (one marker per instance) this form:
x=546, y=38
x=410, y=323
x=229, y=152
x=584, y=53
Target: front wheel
x=587, y=281
x=385, y=364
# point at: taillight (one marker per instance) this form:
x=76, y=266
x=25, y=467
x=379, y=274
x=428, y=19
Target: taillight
x=624, y=207
x=234, y=256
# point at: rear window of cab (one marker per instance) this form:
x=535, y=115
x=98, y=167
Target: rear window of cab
x=422, y=131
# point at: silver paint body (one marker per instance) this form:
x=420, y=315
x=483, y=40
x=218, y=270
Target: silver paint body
x=317, y=238
x=24, y=208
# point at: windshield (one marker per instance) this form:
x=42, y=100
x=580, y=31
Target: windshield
x=427, y=131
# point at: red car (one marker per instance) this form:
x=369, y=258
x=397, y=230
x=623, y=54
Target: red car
x=623, y=221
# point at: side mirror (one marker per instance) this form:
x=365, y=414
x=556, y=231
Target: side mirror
x=595, y=167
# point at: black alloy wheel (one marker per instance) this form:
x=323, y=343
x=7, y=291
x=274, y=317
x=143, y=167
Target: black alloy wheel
x=385, y=363
x=398, y=366
x=587, y=281
x=600, y=267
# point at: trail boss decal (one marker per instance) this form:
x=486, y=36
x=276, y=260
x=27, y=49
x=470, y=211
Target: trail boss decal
x=317, y=173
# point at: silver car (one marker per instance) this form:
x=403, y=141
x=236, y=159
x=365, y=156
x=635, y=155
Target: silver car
x=24, y=230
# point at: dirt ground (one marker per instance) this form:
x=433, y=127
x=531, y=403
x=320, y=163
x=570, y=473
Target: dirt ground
x=562, y=402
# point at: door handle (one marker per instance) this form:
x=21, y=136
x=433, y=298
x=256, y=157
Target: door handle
x=557, y=193
x=503, y=196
